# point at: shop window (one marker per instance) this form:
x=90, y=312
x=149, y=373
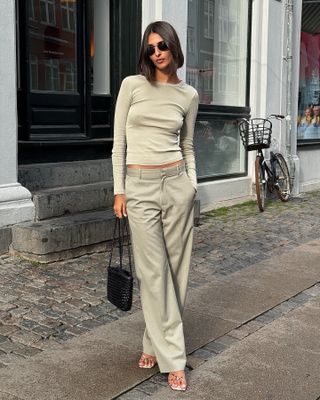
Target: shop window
x=309, y=82
x=218, y=67
x=218, y=149
x=225, y=41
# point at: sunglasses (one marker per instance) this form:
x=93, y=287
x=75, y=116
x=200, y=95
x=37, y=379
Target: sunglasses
x=162, y=46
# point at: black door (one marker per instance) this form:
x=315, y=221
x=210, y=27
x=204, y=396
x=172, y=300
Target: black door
x=72, y=57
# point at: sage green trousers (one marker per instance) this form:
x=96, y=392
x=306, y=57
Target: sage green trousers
x=160, y=211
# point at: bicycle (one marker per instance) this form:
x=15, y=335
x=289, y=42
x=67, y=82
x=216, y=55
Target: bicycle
x=274, y=175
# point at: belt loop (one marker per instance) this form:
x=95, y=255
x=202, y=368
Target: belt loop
x=140, y=173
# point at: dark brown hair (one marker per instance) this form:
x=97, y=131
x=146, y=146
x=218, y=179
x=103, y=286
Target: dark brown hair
x=169, y=35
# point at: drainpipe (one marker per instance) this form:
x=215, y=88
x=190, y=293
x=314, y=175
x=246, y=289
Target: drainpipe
x=288, y=60
x=292, y=58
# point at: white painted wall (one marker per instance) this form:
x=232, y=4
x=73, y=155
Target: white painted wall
x=309, y=169
x=15, y=200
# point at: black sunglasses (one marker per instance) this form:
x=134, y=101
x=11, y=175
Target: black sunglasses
x=162, y=46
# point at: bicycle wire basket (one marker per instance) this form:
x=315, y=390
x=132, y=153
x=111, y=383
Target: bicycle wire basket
x=255, y=133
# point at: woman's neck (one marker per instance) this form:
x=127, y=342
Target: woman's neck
x=163, y=77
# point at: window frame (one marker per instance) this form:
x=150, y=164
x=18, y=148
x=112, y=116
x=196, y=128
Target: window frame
x=209, y=112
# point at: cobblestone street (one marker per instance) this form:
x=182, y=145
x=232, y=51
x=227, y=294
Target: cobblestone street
x=42, y=306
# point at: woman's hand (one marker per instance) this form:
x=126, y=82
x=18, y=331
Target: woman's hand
x=119, y=205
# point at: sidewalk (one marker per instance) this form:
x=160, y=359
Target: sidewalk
x=245, y=264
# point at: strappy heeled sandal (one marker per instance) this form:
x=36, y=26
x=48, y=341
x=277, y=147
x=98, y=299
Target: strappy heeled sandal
x=147, y=361
x=177, y=382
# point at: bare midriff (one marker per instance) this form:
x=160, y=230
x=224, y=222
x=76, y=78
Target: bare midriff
x=159, y=166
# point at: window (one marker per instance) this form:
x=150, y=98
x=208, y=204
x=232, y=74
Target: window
x=218, y=149
x=208, y=19
x=31, y=10
x=223, y=23
x=68, y=16
x=190, y=40
x=47, y=12
x=34, y=72
x=217, y=66
x=208, y=73
x=52, y=75
x=227, y=49
x=68, y=76
x=309, y=82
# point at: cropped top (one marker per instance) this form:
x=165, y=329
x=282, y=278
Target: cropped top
x=154, y=125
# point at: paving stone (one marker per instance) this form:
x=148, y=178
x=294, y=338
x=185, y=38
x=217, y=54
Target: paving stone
x=204, y=353
x=7, y=306
x=7, y=329
x=76, y=330
x=28, y=324
x=19, y=312
x=3, y=339
x=215, y=347
x=301, y=298
x=246, y=330
x=63, y=336
x=148, y=387
x=43, y=331
x=160, y=379
x=90, y=324
x=97, y=311
x=269, y=316
x=227, y=340
x=313, y=291
x=25, y=337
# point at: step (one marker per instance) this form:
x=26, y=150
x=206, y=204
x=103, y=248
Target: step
x=50, y=175
x=65, y=237
x=56, y=202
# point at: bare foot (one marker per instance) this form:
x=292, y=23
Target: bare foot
x=177, y=380
x=147, y=361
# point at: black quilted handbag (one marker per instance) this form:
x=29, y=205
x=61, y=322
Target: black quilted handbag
x=119, y=280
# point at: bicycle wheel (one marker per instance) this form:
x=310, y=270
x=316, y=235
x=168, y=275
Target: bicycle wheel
x=282, y=177
x=260, y=183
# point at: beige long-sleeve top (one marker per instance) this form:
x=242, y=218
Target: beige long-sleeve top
x=154, y=125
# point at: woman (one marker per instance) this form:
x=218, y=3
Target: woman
x=155, y=183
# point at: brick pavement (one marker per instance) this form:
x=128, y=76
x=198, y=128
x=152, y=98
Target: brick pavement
x=42, y=306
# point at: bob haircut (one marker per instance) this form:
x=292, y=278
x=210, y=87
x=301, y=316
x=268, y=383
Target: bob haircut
x=169, y=35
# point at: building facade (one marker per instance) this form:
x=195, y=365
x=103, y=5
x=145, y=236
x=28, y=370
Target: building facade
x=63, y=61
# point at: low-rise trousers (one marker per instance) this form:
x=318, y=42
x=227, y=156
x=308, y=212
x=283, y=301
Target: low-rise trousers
x=160, y=211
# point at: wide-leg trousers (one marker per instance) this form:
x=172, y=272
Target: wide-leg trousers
x=160, y=211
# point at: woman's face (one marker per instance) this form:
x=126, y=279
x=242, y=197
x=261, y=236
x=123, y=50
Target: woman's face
x=161, y=59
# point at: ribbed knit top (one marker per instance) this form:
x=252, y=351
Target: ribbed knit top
x=153, y=125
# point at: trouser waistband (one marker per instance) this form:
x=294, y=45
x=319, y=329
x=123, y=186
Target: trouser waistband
x=156, y=173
